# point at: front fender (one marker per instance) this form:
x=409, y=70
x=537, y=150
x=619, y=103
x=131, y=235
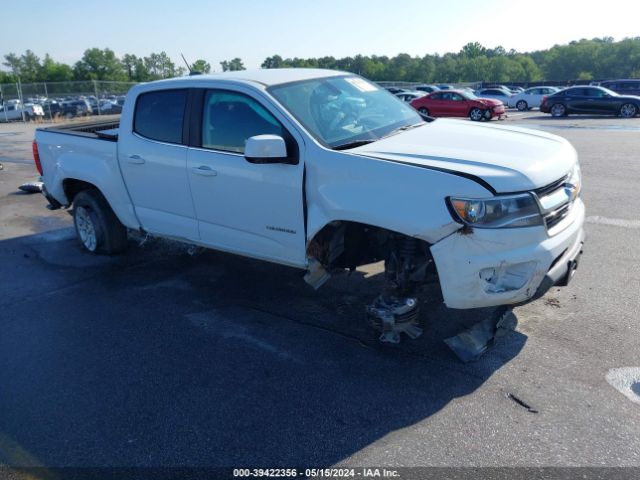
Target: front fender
x=396, y=196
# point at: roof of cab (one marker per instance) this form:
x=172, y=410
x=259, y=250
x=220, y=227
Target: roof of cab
x=265, y=76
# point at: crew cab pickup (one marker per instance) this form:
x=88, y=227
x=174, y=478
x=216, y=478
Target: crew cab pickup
x=325, y=171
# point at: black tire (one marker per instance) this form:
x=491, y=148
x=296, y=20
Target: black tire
x=558, y=110
x=522, y=106
x=92, y=212
x=628, y=110
x=475, y=114
x=424, y=111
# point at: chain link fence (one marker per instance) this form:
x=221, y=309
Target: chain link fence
x=102, y=97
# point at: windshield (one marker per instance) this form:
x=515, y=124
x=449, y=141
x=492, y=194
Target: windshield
x=470, y=95
x=339, y=111
x=610, y=92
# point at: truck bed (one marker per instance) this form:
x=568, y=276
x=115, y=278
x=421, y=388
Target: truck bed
x=103, y=130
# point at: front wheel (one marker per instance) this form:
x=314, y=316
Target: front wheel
x=558, y=110
x=424, y=111
x=475, y=114
x=628, y=110
x=522, y=106
x=97, y=227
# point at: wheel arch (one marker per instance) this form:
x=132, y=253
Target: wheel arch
x=71, y=186
x=349, y=244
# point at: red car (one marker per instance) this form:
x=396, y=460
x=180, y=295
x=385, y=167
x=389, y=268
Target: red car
x=456, y=103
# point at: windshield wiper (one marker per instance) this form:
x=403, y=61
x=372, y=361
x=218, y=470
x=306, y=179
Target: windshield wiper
x=354, y=144
x=404, y=128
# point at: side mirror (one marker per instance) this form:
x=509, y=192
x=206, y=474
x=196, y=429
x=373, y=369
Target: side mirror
x=266, y=149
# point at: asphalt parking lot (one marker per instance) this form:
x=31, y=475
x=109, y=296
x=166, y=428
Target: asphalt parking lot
x=170, y=356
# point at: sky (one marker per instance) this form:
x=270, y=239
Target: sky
x=253, y=30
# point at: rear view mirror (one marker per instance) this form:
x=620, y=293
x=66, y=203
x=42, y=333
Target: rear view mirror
x=266, y=149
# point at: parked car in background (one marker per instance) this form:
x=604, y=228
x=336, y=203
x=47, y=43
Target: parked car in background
x=623, y=87
x=591, y=100
x=516, y=90
x=394, y=90
x=501, y=87
x=76, y=108
x=108, y=107
x=410, y=95
x=12, y=111
x=427, y=88
x=495, y=94
x=444, y=86
x=52, y=108
x=456, y=103
x=530, y=98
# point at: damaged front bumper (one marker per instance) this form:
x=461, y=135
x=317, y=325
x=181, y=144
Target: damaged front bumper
x=489, y=267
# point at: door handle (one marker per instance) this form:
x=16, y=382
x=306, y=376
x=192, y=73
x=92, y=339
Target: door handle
x=136, y=159
x=204, y=170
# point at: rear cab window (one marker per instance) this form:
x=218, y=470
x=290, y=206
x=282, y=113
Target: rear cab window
x=159, y=115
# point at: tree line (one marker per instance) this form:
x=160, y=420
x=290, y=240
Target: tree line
x=598, y=58
x=101, y=64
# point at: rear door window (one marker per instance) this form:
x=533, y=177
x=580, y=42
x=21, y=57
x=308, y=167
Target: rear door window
x=159, y=115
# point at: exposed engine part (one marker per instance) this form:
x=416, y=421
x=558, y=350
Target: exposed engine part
x=392, y=316
x=316, y=275
x=405, y=266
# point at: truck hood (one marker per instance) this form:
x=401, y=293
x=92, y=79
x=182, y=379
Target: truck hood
x=508, y=159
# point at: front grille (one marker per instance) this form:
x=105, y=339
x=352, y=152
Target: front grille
x=542, y=191
x=555, y=217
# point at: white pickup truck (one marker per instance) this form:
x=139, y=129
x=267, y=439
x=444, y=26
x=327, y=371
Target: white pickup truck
x=325, y=171
x=13, y=110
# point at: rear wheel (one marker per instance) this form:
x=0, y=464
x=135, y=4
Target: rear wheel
x=424, y=111
x=558, y=110
x=628, y=110
x=522, y=106
x=97, y=227
x=475, y=114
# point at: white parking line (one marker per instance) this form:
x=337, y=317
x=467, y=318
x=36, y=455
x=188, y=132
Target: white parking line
x=626, y=380
x=615, y=222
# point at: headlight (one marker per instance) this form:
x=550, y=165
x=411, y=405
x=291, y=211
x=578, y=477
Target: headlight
x=574, y=183
x=507, y=211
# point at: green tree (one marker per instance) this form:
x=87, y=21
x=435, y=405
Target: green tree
x=129, y=63
x=159, y=65
x=52, y=71
x=13, y=61
x=473, y=50
x=98, y=64
x=232, y=65
x=275, y=61
x=29, y=67
x=201, y=66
